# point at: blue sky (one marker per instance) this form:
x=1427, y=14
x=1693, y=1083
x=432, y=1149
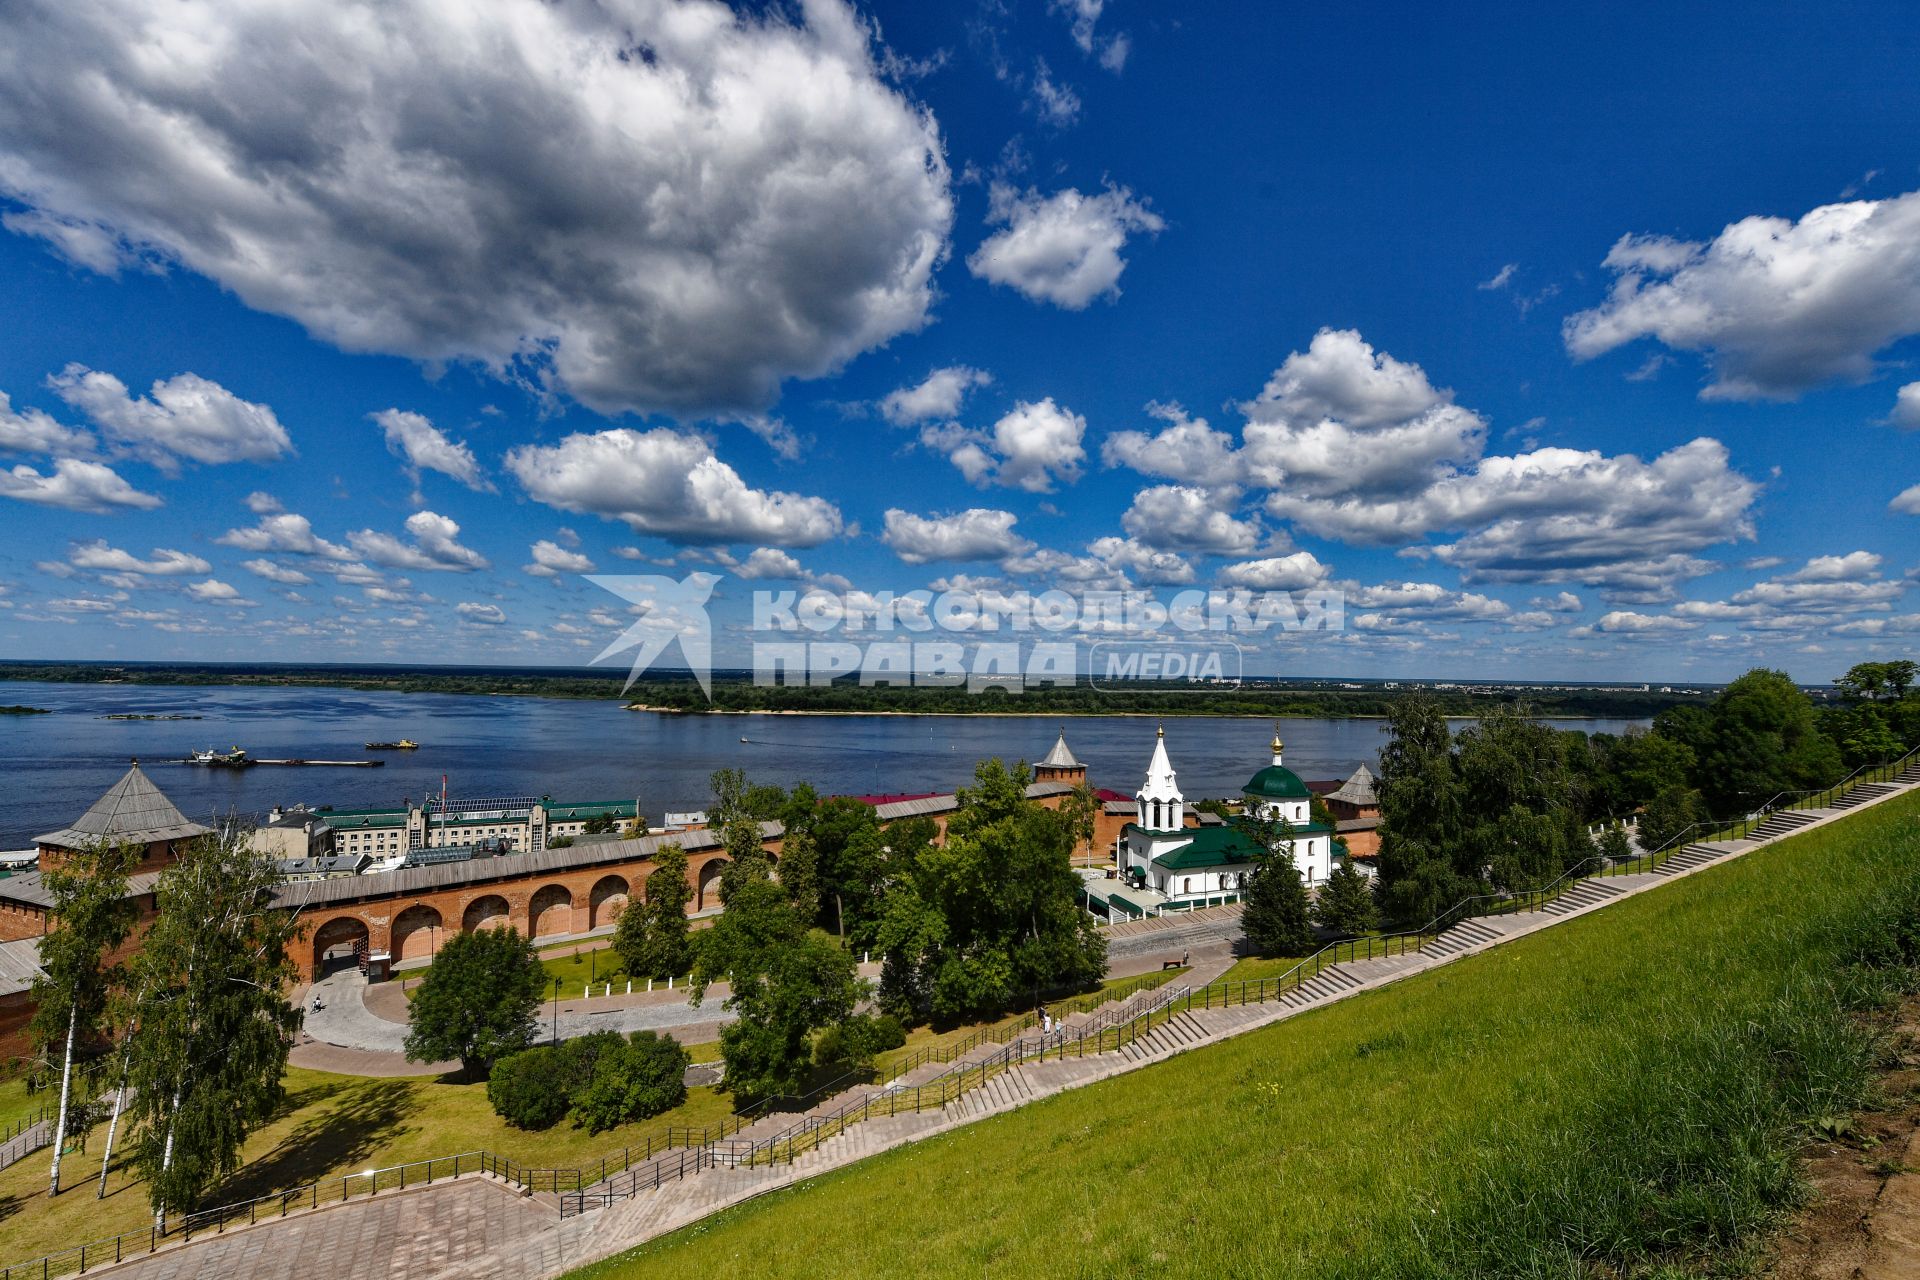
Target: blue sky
x=1566, y=343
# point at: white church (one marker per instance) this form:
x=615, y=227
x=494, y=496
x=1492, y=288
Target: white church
x=1190, y=865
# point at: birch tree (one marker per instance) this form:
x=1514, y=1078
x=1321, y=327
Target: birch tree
x=92, y=916
x=210, y=1044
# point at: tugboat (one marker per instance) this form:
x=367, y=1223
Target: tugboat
x=405, y=744
x=233, y=758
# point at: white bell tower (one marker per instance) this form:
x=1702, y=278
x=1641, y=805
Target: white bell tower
x=1160, y=804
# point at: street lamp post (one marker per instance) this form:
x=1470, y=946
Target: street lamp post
x=556, y=1012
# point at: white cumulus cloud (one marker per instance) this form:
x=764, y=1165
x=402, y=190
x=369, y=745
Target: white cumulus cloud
x=1295, y=572
x=187, y=416
x=668, y=483
x=1183, y=518
x=165, y=561
x=435, y=546
x=654, y=205
x=1063, y=248
x=1032, y=447
x=550, y=560
x=489, y=615
x=1906, y=406
x=273, y=572
x=413, y=437
x=979, y=533
x=76, y=485
x=938, y=398
x=1776, y=306
x=35, y=431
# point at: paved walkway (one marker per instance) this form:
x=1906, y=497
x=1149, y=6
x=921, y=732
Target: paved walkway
x=345, y=1020
x=26, y=1142
x=383, y=1241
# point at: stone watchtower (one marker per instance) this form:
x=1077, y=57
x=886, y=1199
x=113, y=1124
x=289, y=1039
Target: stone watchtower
x=1059, y=765
x=133, y=813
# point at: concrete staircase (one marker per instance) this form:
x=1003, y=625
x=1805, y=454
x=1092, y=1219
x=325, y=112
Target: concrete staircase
x=1785, y=822
x=1180, y=1032
x=1864, y=793
x=1465, y=936
x=1588, y=893
x=1694, y=855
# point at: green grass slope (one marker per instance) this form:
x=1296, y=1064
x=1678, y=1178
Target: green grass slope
x=1626, y=1089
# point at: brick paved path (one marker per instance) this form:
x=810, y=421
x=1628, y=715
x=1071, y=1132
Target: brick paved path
x=472, y=1228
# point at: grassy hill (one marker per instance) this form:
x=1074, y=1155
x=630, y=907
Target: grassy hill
x=1628, y=1089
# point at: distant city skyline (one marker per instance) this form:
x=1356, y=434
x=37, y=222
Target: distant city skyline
x=1562, y=352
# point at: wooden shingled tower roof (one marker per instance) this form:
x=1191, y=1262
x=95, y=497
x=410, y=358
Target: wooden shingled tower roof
x=133, y=811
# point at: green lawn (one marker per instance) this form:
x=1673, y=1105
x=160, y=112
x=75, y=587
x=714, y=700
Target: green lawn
x=331, y=1125
x=1633, y=1080
x=1252, y=968
x=572, y=970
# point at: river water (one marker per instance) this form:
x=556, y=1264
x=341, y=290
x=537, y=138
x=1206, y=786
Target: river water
x=53, y=766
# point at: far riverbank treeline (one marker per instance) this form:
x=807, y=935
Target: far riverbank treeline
x=737, y=693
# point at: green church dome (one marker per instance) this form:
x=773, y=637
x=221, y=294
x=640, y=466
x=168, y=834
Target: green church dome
x=1276, y=782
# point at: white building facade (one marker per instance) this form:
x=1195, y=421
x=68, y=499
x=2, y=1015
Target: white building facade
x=1210, y=864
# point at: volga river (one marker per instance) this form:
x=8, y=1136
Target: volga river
x=53, y=766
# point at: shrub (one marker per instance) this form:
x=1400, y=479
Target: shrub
x=852, y=1044
x=527, y=1089
x=578, y=1059
x=633, y=1080
x=1614, y=845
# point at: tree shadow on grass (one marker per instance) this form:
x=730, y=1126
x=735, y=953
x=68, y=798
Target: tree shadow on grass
x=348, y=1132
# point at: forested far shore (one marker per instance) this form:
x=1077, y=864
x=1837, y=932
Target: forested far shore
x=737, y=693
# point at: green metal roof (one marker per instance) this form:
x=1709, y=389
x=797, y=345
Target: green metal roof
x=1210, y=847
x=360, y=821
x=1222, y=846
x=1276, y=782
x=557, y=812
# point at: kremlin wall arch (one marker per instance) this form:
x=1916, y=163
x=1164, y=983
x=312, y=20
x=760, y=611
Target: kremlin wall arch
x=412, y=921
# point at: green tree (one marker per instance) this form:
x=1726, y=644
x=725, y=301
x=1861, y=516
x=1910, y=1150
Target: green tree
x=1872, y=681
x=207, y=1056
x=1002, y=889
x=1647, y=764
x=785, y=985
x=1763, y=739
x=736, y=812
x=1521, y=820
x=527, y=1089
x=848, y=856
x=853, y=1044
x=1345, y=903
x=1668, y=816
x=478, y=1001
x=800, y=873
x=1614, y=845
x=92, y=916
x=1421, y=812
x=651, y=936
x=1079, y=810
x=1278, y=915
x=631, y=1080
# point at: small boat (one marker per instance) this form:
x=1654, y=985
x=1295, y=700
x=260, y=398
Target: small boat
x=743, y=739
x=405, y=744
